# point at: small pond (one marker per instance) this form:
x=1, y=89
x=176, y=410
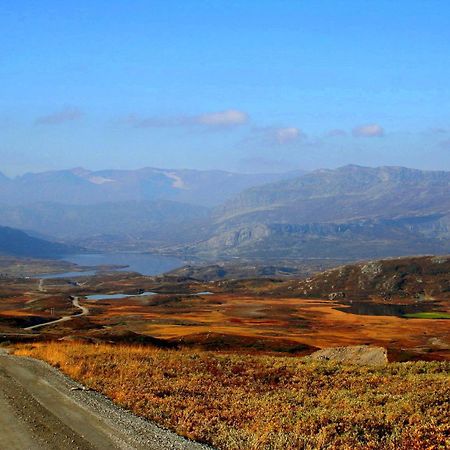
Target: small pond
x=87, y=273
x=116, y=296
x=379, y=309
x=122, y=296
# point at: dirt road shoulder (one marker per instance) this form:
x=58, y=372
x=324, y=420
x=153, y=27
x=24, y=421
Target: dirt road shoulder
x=44, y=409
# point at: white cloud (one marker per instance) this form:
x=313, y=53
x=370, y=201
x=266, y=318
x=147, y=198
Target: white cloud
x=274, y=136
x=369, y=130
x=226, y=118
x=287, y=135
x=336, y=133
x=67, y=114
x=220, y=119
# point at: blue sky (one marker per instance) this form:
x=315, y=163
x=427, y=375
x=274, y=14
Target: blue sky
x=238, y=85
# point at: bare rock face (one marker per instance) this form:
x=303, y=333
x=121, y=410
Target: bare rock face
x=336, y=295
x=360, y=355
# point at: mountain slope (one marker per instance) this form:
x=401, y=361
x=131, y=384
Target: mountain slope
x=345, y=194
x=352, y=212
x=17, y=243
x=155, y=222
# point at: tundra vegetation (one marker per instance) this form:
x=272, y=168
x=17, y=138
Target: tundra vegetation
x=242, y=401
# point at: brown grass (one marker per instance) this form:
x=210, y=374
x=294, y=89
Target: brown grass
x=263, y=402
x=313, y=322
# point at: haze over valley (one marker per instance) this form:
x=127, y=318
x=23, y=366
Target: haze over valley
x=352, y=212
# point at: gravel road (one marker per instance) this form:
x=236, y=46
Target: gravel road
x=40, y=408
x=75, y=303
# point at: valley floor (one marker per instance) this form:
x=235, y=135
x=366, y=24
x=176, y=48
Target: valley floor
x=244, y=318
x=221, y=362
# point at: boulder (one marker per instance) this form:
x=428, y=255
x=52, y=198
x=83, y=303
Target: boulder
x=360, y=355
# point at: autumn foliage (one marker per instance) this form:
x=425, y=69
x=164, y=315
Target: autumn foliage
x=236, y=401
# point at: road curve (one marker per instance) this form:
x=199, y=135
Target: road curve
x=42, y=409
x=76, y=303
x=41, y=285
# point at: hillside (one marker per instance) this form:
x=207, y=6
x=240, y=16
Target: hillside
x=348, y=193
x=238, y=269
x=417, y=278
x=351, y=212
x=17, y=243
x=146, y=223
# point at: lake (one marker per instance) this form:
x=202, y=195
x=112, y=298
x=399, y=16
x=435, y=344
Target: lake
x=143, y=263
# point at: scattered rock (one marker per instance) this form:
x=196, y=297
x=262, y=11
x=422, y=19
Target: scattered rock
x=361, y=355
x=439, y=343
x=80, y=339
x=79, y=388
x=336, y=295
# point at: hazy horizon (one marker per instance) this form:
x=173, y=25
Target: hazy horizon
x=241, y=172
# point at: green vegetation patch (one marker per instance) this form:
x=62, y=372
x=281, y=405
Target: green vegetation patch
x=428, y=315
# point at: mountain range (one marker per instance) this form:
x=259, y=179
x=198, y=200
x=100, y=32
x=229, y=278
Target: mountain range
x=79, y=186
x=351, y=212
x=120, y=209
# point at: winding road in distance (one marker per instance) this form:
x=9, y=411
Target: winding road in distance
x=76, y=303
x=42, y=409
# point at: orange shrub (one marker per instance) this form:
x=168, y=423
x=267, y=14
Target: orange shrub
x=236, y=401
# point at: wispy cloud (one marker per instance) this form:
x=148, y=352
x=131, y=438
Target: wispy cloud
x=438, y=130
x=369, y=130
x=336, y=133
x=67, y=114
x=230, y=117
x=220, y=119
x=287, y=135
x=277, y=135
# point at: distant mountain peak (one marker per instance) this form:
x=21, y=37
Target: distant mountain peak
x=80, y=186
x=355, y=167
x=80, y=171
x=100, y=180
x=178, y=182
